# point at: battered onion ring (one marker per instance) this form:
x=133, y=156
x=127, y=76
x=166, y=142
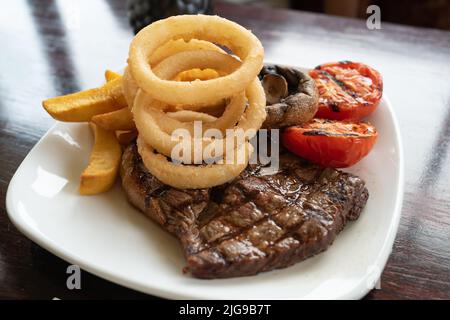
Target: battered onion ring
x=170, y=67
x=130, y=87
x=172, y=47
x=190, y=176
x=188, y=116
x=187, y=60
x=150, y=131
x=197, y=74
x=211, y=28
x=228, y=120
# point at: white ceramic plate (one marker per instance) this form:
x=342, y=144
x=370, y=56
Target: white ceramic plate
x=106, y=236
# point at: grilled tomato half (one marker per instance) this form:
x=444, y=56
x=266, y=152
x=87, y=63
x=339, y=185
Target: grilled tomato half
x=347, y=90
x=331, y=143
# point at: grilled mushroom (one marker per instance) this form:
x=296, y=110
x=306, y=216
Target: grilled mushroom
x=295, y=107
x=275, y=87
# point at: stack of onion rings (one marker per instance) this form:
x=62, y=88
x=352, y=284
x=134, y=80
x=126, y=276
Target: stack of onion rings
x=161, y=52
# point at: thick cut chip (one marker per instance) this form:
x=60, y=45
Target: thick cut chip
x=111, y=75
x=116, y=120
x=101, y=172
x=83, y=105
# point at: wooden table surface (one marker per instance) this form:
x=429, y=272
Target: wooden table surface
x=56, y=47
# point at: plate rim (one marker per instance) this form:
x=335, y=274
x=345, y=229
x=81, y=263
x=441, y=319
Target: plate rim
x=359, y=291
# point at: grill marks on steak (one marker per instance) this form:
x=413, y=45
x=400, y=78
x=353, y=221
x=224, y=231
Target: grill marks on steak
x=255, y=223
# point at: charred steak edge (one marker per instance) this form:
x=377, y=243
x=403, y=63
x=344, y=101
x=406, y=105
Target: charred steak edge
x=256, y=222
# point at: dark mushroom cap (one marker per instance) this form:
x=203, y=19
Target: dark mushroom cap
x=301, y=103
x=275, y=87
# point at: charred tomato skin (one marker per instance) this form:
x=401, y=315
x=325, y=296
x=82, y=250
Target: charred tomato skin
x=347, y=90
x=331, y=143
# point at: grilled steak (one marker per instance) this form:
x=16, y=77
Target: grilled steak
x=255, y=223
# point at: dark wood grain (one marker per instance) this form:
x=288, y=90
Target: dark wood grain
x=51, y=49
